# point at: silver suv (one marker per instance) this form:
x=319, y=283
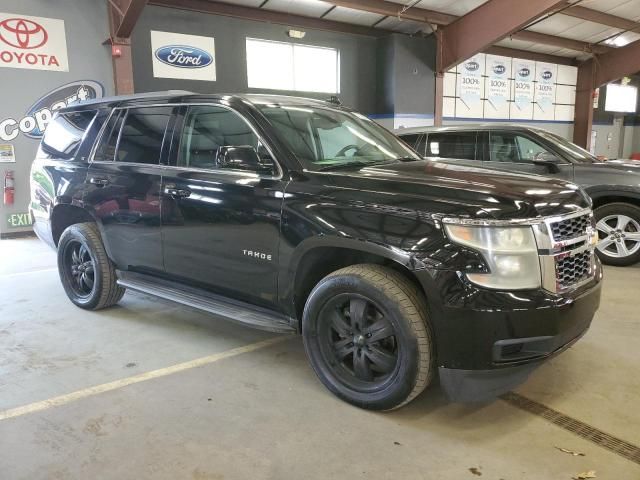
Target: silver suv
x=613, y=185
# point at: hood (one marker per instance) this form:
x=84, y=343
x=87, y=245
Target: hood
x=459, y=190
x=617, y=173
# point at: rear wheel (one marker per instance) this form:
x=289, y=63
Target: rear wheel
x=618, y=226
x=367, y=336
x=86, y=272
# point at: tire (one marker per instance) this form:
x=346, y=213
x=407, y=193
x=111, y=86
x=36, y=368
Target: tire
x=387, y=319
x=618, y=226
x=86, y=272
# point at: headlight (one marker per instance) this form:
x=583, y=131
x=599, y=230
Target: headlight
x=511, y=254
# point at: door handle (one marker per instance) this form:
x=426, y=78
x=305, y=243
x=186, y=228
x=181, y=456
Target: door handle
x=100, y=182
x=177, y=192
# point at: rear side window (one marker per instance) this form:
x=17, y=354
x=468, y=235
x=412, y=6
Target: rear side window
x=135, y=135
x=64, y=134
x=106, y=150
x=142, y=135
x=460, y=145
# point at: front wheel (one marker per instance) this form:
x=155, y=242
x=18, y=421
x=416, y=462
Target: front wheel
x=367, y=336
x=618, y=226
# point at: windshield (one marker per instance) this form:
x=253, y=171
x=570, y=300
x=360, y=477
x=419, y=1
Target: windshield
x=573, y=151
x=326, y=138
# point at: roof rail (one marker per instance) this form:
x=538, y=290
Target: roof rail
x=135, y=96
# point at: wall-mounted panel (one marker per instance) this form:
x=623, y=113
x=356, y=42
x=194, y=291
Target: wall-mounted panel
x=510, y=89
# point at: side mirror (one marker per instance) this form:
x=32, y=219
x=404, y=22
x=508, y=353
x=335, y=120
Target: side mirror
x=243, y=157
x=548, y=160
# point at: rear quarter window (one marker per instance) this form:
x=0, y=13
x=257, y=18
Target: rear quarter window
x=64, y=134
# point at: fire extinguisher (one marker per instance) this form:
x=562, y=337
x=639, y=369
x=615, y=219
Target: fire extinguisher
x=9, y=188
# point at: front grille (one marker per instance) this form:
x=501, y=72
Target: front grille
x=570, y=228
x=570, y=261
x=573, y=269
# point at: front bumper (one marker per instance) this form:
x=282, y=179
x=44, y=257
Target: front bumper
x=490, y=341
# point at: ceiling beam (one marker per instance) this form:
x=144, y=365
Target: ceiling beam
x=529, y=55
x=562, y=42
x=383, y=7
x=261, y=15
x=489, y=23
x=602, y=18
x=618, y=63
x=390, y=9
x=131, y=10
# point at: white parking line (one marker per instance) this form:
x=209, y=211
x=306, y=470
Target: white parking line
x=143, y=377
x=4, y=275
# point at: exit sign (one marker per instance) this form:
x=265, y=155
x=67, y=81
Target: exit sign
x=17, y=220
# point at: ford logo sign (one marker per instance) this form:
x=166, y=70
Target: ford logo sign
x=184, y=56
x=472, y=66
x=40, y=113
x=499, y=69
x=524, y=72
x=546, y=75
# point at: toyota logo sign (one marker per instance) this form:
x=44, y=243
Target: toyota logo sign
x=36, y=43
x=22, y=33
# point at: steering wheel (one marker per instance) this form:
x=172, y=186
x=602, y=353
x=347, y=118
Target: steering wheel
x=344, y=150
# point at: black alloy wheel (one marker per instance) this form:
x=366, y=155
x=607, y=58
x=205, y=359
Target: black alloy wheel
x=79, y=268
x=86, y=272
x=358, y=341
x=368, y=338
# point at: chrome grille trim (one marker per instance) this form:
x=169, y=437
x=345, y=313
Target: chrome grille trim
x=555, y=248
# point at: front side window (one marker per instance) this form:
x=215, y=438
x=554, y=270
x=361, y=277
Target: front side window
x=511, y=147
x=415, y=141
x=322, y=137
x=215, y=137
x=573, y=151
x=64, y=134
x=459, y=145
x=529, y=149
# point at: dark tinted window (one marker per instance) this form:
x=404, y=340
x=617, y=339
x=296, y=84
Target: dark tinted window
x=64, y=134
x=106, y=149
x=460, y=145
x=410, y=139
x=415, y=141
x=142, y=134
x=206, y=129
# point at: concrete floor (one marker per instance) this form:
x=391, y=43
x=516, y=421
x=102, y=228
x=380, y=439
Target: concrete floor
x=262, y=414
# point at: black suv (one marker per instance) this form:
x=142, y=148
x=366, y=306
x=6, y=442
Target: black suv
x=613, y=185
x=296, y=215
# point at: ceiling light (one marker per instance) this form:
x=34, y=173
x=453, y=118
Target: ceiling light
x=296, y=33
x=618, y=41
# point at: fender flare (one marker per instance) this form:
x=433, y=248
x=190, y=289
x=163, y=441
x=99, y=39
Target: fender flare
x=598, y=191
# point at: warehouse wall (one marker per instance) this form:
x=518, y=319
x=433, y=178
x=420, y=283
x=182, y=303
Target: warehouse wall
x=357, y=55
x=85, y=29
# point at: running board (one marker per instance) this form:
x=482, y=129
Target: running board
x=233, y=310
